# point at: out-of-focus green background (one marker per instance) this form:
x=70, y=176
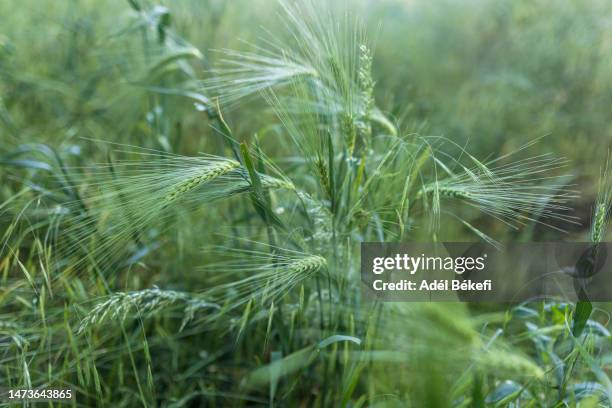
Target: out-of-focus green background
x=495, y=73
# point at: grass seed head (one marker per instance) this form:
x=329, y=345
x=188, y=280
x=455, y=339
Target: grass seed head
x=142, y=303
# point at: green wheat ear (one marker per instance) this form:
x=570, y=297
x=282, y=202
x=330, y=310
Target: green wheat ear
x=269, y=276
x=603, y=204
x=308, y=264
x=599, y=222
x=366, y=88
x=204, y=176
x=511, y=192
x=446, y=191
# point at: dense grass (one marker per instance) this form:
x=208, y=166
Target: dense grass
x=181, y=211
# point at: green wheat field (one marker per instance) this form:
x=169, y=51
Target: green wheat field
x=184, y=187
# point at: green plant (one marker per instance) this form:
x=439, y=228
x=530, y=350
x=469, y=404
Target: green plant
x=138, y=271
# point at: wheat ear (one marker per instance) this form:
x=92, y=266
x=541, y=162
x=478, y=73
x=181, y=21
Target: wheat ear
x=204, y=176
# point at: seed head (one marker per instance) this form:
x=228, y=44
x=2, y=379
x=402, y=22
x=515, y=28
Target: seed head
x=312, y=263
x=603, y=205
x=204, y=176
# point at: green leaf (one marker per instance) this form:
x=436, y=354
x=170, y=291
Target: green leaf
x=338, y=338
x=505, y=393
x=584, y=389
x=523, y=312
x=262, y=206
x=28, y=164
x=582, y=312
x=244, y=320
x=478, y=400
x=280, y=368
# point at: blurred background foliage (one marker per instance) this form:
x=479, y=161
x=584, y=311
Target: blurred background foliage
x=491, y=73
